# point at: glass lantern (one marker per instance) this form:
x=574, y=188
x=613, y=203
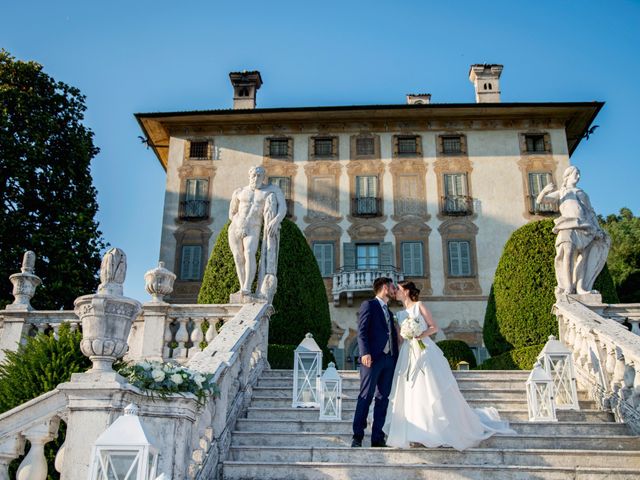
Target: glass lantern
x=557, y=361
x=307, y=367
x=330, y=390
x=123, y=451
x=540, y=396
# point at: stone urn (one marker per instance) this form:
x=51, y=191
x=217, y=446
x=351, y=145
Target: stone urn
x=24, y=283
x=107, y=315
x=158, y=282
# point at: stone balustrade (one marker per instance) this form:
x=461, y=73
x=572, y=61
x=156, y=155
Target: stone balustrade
x=606, y=357
x=624, y=313
x=360, y=280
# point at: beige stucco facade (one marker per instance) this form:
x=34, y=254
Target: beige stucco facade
x=410, y=204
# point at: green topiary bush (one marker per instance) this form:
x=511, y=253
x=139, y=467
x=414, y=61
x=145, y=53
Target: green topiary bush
x=519, y=308
x=37, y=367
x=456, y=351
x=300, y=302
x=518, y=359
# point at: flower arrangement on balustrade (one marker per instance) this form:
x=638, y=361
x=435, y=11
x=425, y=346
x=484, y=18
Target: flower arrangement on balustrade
x=164, y=379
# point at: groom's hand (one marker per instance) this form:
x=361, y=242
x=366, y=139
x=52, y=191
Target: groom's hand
x=366, y=360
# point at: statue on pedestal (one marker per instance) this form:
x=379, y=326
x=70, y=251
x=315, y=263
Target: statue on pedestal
x=581, y=245
x=253, y=207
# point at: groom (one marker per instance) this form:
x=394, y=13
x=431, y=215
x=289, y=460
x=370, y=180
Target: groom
x=378, y=344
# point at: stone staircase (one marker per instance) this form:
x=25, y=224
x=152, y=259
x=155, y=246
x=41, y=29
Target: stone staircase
x=276, y=441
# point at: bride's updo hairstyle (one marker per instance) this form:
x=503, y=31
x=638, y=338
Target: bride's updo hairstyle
x=414, y=292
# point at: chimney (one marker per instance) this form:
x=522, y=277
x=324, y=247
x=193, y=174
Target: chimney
x=486, y=81
x=245, y=87
x=418, y=98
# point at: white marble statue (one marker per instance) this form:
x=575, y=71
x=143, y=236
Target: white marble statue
x=251, y=208
x=581, y=245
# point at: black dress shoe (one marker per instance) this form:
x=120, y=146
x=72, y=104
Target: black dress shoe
x=356, y=443
x=381, y=444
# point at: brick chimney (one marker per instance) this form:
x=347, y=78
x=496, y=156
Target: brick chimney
x=245, y=88
x=486, y=81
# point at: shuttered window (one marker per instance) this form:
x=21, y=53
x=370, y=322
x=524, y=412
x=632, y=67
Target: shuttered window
x=197, y=189
x=460, y=259
x=191, y=263
x=455, y=184
x=412, y=259
x=284, y=183
x=323, y=252
x=537, y=181
x=367, y=186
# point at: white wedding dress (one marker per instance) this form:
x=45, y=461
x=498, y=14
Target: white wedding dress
x=425, y=404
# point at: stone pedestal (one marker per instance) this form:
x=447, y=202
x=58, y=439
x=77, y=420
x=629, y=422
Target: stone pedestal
x=244, y=298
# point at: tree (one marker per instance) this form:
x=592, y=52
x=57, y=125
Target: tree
x=519, y=307
x=48, y=199
x=300, y=302
x=624, y=256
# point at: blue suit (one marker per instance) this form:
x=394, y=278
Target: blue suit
x=373, y=336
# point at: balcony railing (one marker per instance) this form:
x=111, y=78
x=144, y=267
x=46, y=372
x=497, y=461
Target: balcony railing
x=352, y=280
x=194, y=209
x=366, y=206
x=547, y=208
x=457, y=205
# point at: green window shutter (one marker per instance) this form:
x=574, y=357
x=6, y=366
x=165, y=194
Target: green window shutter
x=454, y=259
x=324, y=256
x=460, y=259
x=465, y=258
x=412, y=259
x=190, y=267
x=386, y=254
x=349, y=255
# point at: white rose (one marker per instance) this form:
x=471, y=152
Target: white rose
x=199, y=379
x=176, y=378
x=157, y=375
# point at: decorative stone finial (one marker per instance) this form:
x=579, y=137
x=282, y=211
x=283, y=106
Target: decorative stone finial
x=24, y=283
x=113, y=271
x=159, y=282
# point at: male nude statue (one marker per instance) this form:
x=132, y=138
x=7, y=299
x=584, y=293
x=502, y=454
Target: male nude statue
x=250, y=207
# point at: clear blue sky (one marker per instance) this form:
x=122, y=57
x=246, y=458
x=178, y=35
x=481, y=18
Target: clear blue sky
x=145, y=56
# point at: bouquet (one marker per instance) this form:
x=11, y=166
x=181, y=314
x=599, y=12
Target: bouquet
x=164, y=379
x=411, y=329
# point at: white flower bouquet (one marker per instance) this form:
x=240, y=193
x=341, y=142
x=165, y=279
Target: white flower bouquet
x=411, y=329
x=163, y=379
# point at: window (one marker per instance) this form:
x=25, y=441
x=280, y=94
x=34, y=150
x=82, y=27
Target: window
x=535, y=143
x=366, y=201
x=367, y=256
x=191, y=262
x=537, y=181
x=196, y=199
x=412, y=259
x=456, y=201
x=279, y=147
x=407, y=200
x=365, y=146
x=284, y=183
x=407, y=145
x=459, y=258
x=323, y=147
x=451, y=145
x=199, y=150
x=323, y=252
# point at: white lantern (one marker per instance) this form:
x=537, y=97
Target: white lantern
x=331, y=394
x=540, y=396
x=123, y=451
x=557, y=361
x=307, y=367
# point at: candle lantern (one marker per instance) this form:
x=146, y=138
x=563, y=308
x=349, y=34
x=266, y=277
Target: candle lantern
x=540, y=395
x=557, y=361
x=330, y=390
x=307, y=368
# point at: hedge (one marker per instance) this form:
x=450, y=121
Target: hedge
x=518, y=311
x=518, y=359
x=456, y=351
x=300, y=303
x=281, y=356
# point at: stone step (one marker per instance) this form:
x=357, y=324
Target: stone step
x=467, y=391
x=523, y=428
x=431, y=456
x=350, y=403
x=501, y=383
x=461, y=373
x=338, y=439
x=233, y=470
x=303, y=414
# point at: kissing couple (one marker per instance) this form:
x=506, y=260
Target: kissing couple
x=417, y=399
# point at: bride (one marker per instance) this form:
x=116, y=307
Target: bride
x=425, y=404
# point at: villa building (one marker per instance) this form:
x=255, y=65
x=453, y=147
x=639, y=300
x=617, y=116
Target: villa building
x=421, y=191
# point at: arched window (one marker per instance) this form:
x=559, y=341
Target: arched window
x=244, y=92
x=490, y=87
